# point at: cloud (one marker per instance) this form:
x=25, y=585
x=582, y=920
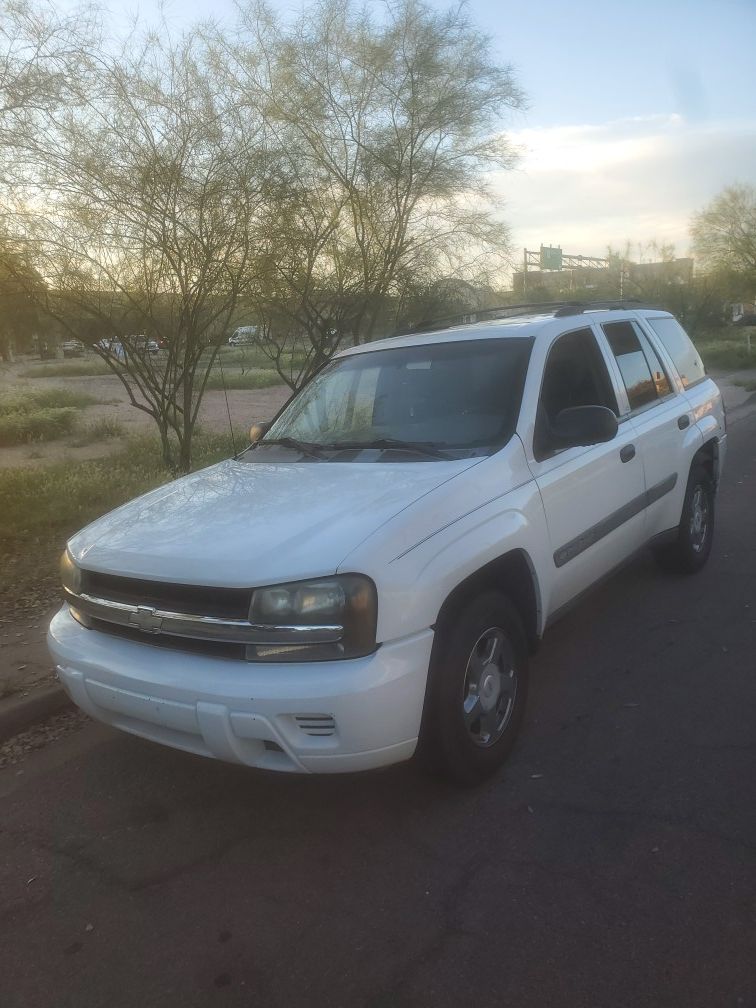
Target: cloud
x=588, y=186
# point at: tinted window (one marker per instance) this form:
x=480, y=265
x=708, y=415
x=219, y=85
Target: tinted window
x=680, y=349
x=663, y=388
x=635, y=370
x=575, y=375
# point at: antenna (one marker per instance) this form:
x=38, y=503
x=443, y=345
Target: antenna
x=228, y=408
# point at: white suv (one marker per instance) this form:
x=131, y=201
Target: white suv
x=369, y=577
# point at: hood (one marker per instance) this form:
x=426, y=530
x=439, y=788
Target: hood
x=245, y=524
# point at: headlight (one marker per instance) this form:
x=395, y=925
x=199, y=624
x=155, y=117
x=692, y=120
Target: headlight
x=70, y=574
x=314, y=620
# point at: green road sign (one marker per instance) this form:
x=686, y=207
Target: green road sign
x=551, y=258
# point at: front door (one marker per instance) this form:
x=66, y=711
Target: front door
x=593, y=496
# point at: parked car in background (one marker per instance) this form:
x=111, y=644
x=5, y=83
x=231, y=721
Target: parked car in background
x=73, y=348
x=152, y=346
x=369, y=578
x=243, y=336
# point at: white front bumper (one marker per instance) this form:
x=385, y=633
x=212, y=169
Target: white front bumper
x=247, y=712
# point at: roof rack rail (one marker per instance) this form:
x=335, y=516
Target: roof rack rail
x=578, y=307
x=481, y=314
x=559, y=309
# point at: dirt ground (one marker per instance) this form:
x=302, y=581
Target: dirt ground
x=246, y=407
x=24, y=661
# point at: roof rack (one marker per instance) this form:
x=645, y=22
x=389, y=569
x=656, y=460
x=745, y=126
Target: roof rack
x=577, y=307
x=481, y=314
x=558, y=309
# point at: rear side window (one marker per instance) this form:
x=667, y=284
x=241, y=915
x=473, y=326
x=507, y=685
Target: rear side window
x=633, y=365
x=677, y=344
x=661, y=380
x=638, y=361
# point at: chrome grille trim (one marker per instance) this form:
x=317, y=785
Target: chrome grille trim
x=230, y=631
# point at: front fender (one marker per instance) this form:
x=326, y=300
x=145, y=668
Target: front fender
x=413, y=581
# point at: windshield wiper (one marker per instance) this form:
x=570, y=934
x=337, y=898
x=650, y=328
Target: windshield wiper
x=305, y=447
x=427, y=448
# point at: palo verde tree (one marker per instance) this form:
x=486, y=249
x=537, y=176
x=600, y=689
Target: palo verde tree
x=384, y=131
x=724, y=239
x=140, y=203
x=21, y=291
x=40, y=62
x=40, y=57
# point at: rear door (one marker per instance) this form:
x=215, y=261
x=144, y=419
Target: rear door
x=660, y=418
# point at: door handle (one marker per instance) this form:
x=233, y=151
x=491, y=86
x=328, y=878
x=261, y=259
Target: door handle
x=683, y=421
x=627, y=453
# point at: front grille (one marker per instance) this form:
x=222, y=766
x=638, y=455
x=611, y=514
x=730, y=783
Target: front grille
x=193, y=600
x=215, y=649
x=196, y=618
x=224, y=603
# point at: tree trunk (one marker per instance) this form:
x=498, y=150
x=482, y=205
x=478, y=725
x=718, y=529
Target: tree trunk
x=165, y=444
x=187, y=425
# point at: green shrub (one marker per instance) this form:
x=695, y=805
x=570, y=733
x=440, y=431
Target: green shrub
x=68, y=369
x=32, y=400
x=252, y=356
x=727, y=349
x=44, y=506
x=247, y=380
x=99, y=430
x=731, y=356
x=41, y=425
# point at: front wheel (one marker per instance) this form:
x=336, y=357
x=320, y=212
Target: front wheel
x=477, y=690
x=695, y=533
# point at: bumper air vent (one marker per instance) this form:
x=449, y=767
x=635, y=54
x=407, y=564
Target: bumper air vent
x=316, y=724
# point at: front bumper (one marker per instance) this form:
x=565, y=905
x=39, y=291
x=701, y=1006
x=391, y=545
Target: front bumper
x=315, y=717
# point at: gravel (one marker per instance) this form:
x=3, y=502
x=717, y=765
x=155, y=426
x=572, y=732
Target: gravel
x=17, y=748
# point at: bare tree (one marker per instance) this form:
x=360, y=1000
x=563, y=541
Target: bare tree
x=40, y=57
x=141, y=203
x=385, y=132
x=40, y=61
x=21, y=290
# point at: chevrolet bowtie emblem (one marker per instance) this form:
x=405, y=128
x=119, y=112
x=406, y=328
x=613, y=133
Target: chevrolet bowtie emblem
x=146, y=619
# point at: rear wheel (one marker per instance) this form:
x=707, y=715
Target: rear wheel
x=477, y=690
x=692, y=545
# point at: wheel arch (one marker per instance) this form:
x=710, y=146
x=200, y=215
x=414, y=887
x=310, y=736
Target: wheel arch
x=512, y=573
x=708, y=457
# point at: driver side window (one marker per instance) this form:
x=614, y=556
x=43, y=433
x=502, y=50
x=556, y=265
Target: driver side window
x=575, y=375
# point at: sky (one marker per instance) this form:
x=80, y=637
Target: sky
x=639, y=112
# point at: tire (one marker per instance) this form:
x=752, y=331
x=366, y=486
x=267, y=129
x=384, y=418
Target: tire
x=695, y=533
x=477, y=690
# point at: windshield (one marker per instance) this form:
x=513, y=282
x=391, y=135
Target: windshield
x=441, y=400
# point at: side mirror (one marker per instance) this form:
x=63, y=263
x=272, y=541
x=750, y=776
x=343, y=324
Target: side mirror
x=256, y=431
x=583, y=425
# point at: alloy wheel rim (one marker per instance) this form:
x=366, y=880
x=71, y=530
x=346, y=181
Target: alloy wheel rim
x=699, y=518
x=490, y=688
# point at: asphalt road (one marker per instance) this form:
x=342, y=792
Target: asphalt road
x=613, y=862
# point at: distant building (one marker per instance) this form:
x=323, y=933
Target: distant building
x=744, y=313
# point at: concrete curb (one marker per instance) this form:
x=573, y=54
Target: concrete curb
x=17, y=713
